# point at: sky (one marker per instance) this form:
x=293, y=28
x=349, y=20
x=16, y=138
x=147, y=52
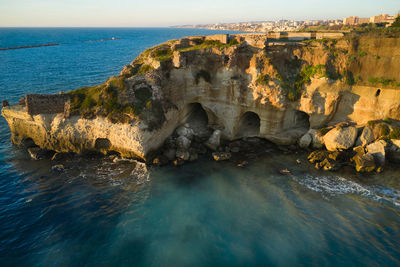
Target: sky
x=158, y=13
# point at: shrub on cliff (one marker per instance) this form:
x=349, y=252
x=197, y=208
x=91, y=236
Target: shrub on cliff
x=304, y=77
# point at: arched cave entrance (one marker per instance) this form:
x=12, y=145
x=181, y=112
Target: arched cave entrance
x=249, y=125
x=102, y=144
x=301, y=120
x=197, y=118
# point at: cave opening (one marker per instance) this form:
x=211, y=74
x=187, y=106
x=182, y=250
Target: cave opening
x=102, y=144
x=197, y=118
x=301, y=120
x=249, y=125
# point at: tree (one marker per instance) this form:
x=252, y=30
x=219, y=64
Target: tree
x=396, y=23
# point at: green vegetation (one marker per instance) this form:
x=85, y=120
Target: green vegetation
x=394, y=133
x=103, y=100
x=323, y=131
x=382, y=129
x=263, y=79
x=162, y=54
x=388, y=120
x=210, y=44
x=396, y=23
x=349, y=78
x=144, y=69
x=383, y=81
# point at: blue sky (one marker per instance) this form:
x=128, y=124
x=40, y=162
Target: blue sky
x=157, y=13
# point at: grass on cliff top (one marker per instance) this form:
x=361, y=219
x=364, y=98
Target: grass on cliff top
x=383, y=81
x=102, y=100
x=209, y=44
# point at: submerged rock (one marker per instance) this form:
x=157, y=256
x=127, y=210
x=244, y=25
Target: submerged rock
x=364, y=163
x=220, y=156
x=37, y=153
x=58, y=168
x=160, y=160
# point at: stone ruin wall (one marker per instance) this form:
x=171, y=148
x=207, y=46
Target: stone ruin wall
x=47, y=104
x=223, y=38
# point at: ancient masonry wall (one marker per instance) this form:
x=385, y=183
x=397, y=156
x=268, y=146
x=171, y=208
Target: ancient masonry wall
x=47, y=104
x=223, y=38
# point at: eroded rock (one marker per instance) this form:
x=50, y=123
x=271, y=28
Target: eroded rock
x=305, y=141
x=366, y=137
x=214, y=141
x=340, y=138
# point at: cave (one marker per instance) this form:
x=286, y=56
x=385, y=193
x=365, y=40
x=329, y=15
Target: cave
x=102, y=144
x=197, y=118
x=249, y=125
x=301, y=120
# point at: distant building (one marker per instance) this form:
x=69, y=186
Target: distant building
x=382, y=18
x=353, y=20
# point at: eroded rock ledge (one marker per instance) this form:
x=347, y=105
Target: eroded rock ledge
x=231, y=86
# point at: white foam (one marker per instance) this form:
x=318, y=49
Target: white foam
x=330, y=186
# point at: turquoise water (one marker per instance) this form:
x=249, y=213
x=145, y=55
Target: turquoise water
x=101, y=213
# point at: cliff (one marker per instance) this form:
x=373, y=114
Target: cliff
x=242, y=85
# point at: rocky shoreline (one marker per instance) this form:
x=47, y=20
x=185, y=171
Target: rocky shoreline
x=365, y=149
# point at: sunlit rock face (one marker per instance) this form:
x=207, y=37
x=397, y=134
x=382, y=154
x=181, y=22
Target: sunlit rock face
x=243, y=87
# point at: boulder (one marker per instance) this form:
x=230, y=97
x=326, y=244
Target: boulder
x=366, y=137
x=378, y=151
x=214, y=141
x=60, y=156
x=58, y=168
x=340, y=138
x=305, y=141
x=170, y=153
x=4, y=103
x=317, y=139
x=364, y=162
x=183, y=154
x=235, y=149
x=317, y=156
x=160, y=160
x=185, y=131
x=193, y=157
x=178, y=162
x=219, y=156
x=329, y=165
x=394, y=151
x=183, y=143
x=37, y=153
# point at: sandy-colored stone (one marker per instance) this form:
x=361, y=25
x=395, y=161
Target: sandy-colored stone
x=340, y=138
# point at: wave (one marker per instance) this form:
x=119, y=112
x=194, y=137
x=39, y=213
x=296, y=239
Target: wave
x=330, y=186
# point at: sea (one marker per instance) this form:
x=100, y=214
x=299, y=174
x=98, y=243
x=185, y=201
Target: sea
x=98, y=212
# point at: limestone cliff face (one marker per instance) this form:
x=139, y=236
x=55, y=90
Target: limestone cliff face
x=246, y=87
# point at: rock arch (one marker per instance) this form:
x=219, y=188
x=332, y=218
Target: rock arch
x=249, y=125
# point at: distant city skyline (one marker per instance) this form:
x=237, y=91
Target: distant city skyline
x=158, y=13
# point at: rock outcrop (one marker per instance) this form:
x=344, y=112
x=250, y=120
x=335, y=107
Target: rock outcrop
x=241, y=87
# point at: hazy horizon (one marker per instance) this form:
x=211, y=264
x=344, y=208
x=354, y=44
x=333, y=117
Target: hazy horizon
x=125, y=13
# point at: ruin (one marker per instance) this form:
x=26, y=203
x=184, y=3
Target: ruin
x=47, y=104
